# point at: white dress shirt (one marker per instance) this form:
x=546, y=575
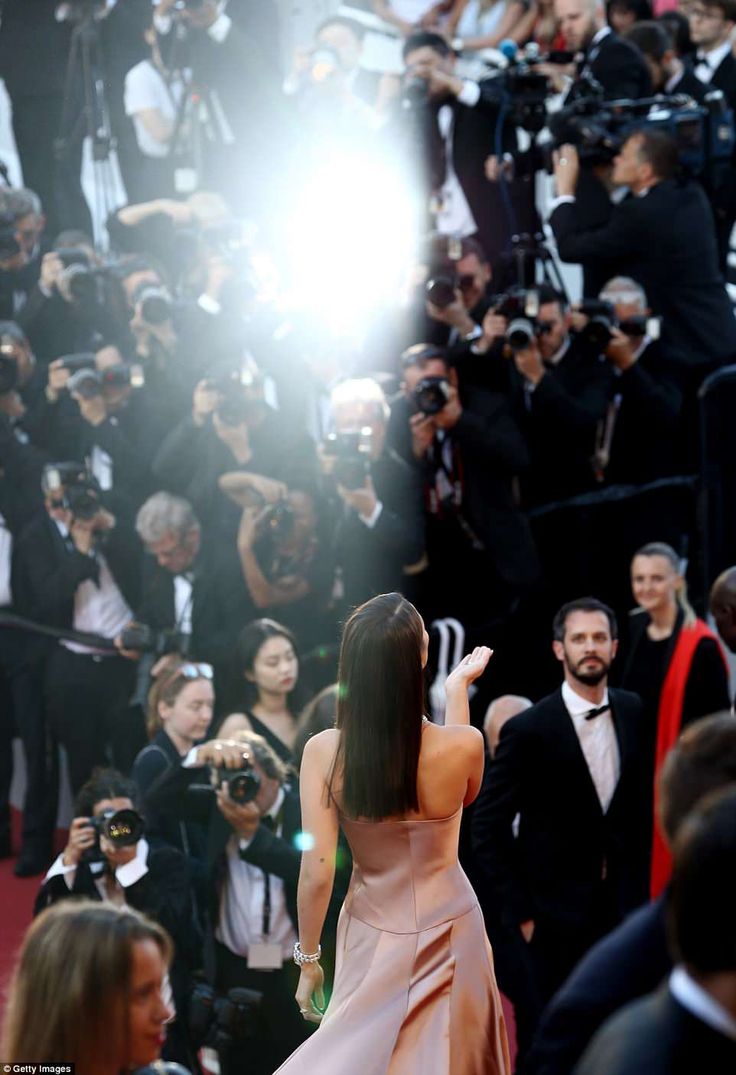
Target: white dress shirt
x=598, y=743
x=701, y=1004
x=706, y=63
x=6, y=551
x=125, y=875
x=455, y=217
x=240, y=921
x=183, y=604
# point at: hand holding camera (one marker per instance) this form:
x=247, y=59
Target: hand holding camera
x=82, y=837
x=529, y=362
x=52, y=267
x=423, y=429
x=362, y=500
x=59, y=375
x=84, y=531
x=244, y=817
x=449, y=416
x=566, y=170
x=222, y=754
x=495, y=326
x=620, y=350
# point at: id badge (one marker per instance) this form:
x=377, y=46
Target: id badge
x=265, y=956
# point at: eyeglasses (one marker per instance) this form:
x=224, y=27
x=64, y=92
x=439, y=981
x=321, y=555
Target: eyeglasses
x=705, y=15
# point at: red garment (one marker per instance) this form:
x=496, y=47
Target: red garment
x=669, y=723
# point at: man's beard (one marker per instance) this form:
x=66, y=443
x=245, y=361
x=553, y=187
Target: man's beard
x=593, y=677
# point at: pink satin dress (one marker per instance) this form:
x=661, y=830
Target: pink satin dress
x=415, y=992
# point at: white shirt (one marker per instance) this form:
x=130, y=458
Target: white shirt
x=146, y=88
x=598, y=743
x=411, y=10
x=241, y=906
x=707, y=62
x=100, y=463
x=183, y=604
x=455, y=217
x=701, y=1004
x=125, y=876
x=101, y=610
x=6, y=549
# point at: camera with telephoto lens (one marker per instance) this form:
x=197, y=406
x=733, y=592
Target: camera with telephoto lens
x=277, y=521
x=71, y=487
x=597, y=333
x=233, y=384
x=80, y=278
x=122, y=828
x=222, y=1022
x=88, y=383
x=155, y=303
x=431, y=395
x=415, y=93
x=141, y=638
x=520, y=307
x=242, y=785
x=351, y=451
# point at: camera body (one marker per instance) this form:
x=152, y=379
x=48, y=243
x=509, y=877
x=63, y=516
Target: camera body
x=351, y=451
x=80, y=278
x=89, y=382
x=155, y=302
x=222, y=1022
x=141, y=638
x=242, y=785
x=431, y=395
x=520, y=307
x=277, y=521
x=122, y=828
x=73, y=488
x=602, y=320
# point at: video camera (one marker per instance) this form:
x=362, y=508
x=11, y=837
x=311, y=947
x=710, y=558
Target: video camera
x=141, y=638
x=352, y=453
x=71, y=487
x=520, y=307
x=602, y=320
x=703, y=133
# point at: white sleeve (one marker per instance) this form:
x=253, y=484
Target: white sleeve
x=140, y=89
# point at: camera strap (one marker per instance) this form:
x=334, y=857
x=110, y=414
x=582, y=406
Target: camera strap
x=604, y=438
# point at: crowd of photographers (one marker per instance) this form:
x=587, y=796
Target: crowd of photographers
x=190, y=502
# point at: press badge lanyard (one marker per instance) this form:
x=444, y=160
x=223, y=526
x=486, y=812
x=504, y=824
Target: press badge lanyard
x=266, y=955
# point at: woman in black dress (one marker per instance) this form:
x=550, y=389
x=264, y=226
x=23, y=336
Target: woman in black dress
x=268, y=669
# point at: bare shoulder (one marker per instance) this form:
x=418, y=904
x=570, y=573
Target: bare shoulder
x=321, y=748
x=461, y=737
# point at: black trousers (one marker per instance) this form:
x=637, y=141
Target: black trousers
x=23, y=663
x=280, y=1027
x=36, y=124
x=88, y=701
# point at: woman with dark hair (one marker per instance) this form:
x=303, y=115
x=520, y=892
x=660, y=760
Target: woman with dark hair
x=266, y=657
x=414, y=986
x=675, y=664
x=622, y=14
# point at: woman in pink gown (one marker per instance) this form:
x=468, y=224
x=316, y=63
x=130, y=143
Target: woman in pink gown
x=414, y=986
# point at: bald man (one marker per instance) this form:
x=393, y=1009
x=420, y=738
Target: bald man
x=499, y=711
x=723, y=606
x=617, y=64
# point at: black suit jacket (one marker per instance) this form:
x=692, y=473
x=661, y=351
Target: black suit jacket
x=33, y=48
x=619, y=67
x=628, y=963
x=552, y=871
x=657, y=1036
x=666, y=241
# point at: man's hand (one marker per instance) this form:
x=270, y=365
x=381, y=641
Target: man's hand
x=423, y=429
x=527, y=929
x=58, y=377
x=223, y=753
x=449, y=416
x=243, y=817
x=235, y=437
x=620, y=350
x=529, y=363
x=566, y=169
x=92, y=409
x=494, y=328
x=455, y=315
x=51, y=269
x=81, y=838
x=362, y=500
x=204, y=403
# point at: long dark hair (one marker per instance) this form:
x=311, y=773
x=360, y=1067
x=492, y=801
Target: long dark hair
x=380, y=708
x=249, y=642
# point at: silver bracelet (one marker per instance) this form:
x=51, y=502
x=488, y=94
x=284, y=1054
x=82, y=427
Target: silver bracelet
x=300, y=958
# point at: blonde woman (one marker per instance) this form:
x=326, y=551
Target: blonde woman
x=87, y=991
x=675, y=662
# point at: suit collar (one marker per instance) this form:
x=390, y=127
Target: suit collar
x=695, y=1000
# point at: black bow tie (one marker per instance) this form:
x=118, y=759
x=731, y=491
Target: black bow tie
x=269, y=822
x=593, y=713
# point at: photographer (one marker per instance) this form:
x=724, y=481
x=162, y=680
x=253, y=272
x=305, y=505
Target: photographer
x=663, y=237
x=637, y=439
x=284, y=552
x=76, y=567
x=379, y=524
x=450, y=124
x=195, y=590
x=469, y=450
x=669, y=73
x=458, y=296
x=253, y=815
x=108, y=858
x=607, y=58
x=22, y=223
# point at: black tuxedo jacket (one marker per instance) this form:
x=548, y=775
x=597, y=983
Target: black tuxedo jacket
x=33, y=47
x=723, y=78
x=626, y=964
x=47, y=570
x=666, y=241
x=552, y=870
x=657, y=1036
x=619, y=67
